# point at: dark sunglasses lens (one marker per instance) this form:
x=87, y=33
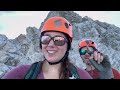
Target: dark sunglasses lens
x=83, y=52
x=59, y=41
x=45, y=39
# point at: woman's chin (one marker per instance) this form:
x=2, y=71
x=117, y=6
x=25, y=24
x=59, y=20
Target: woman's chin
x=51, y=60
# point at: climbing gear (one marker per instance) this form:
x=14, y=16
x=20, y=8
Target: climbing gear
x=35, y=70
x=86, y=43
x=58, y=24
x=74, y=73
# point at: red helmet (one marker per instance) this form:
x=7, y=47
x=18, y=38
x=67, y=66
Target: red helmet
x=86, y=43
x=59, y=24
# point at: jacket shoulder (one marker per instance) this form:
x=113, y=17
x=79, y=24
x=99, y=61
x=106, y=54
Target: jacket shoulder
x=116, y=73
x=17, y=73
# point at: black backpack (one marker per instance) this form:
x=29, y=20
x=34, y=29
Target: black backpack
x=35, y=69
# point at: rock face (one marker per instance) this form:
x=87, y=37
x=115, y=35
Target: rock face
x=24, y=49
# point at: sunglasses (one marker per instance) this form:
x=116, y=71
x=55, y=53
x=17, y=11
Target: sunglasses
x=83, y=52
x=58, y=40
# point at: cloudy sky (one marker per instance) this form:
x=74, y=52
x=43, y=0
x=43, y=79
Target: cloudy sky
x=14, y=23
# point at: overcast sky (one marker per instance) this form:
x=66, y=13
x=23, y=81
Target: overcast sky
x=14, y=23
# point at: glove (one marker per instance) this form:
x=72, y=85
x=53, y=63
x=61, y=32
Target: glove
x=104, y=68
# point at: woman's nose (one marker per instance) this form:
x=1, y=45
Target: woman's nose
x=51, y=43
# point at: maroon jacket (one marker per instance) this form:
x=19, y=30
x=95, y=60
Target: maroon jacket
x=20, y=71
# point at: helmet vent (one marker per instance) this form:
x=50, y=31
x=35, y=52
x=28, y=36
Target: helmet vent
x=66, y=25
x=69, y=24
x=92, y=42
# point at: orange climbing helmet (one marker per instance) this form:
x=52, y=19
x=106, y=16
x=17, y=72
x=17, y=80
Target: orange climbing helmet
x=59, y=24
x=86, y=43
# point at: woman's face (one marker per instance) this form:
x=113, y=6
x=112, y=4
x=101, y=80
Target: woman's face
x=52, y=52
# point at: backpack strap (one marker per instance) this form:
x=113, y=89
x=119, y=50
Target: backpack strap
x=74, y=73
x=35, y=68
x=33, y=71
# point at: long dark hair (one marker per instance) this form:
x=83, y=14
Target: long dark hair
x=65, y=69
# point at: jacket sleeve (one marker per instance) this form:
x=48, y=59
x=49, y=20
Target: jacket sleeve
x=17, y=73
x=107, y=73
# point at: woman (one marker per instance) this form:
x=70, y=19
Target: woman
x=55, y=42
